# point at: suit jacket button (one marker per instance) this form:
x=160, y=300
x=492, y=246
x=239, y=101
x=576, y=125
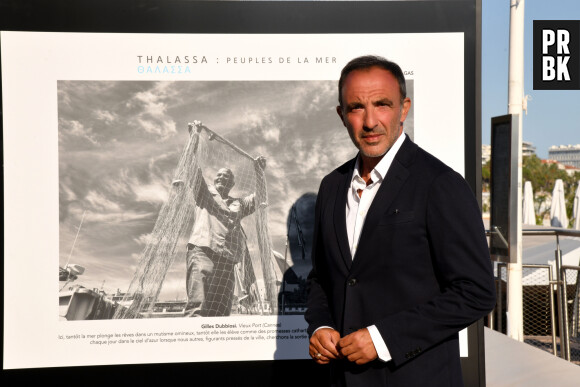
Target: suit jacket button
x=352, y=282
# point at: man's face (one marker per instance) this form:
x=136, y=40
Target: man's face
x=224, y=181
x=372, y=110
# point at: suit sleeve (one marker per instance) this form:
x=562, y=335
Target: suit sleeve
x=461, y=261
x=318, y=311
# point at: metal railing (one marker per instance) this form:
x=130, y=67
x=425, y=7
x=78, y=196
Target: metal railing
x=539, y=314
x=546, y=299
x=571, y=312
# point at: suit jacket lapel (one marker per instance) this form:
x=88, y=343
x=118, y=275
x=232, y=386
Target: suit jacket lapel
x=389, y=189
x=340, y=216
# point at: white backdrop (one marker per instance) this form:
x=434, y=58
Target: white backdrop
x=32, y=66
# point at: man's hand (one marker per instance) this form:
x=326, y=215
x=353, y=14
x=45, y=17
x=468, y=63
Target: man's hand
x=323, y=345
x=261, y=160
x=358, y=347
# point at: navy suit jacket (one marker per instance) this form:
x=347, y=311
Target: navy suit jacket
x=421, y=273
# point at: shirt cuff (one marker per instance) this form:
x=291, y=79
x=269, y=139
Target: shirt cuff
x=379, y=343
x=324, y=326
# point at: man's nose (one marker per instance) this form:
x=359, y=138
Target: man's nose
x=370, y=118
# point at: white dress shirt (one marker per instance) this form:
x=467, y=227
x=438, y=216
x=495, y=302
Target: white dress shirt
x=356, y=213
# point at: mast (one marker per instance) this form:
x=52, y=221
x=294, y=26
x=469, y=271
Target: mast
x=75, y=241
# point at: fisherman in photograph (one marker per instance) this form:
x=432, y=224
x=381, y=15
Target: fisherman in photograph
x=217, y=243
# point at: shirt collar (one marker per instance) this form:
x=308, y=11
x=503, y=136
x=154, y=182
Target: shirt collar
x=380, y=170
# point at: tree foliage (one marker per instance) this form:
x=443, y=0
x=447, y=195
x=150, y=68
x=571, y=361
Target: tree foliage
x=543, y=176
x=485, y=175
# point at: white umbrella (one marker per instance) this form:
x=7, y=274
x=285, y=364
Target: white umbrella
x=576, y=211
x=558, y=208
x=529, y=215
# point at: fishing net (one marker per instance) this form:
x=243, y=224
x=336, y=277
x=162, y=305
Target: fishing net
x=230, y=264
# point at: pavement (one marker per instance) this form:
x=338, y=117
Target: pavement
x=512, y=363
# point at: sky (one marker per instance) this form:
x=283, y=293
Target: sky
x=552, y=117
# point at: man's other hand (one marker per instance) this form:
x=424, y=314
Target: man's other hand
x=261, y=161
x=358, y=347
x=323, y=345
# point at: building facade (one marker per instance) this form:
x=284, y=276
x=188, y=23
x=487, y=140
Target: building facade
x=528, y=149
x=565, y=154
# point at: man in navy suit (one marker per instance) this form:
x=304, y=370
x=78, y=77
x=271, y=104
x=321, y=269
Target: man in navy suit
x=400, y=259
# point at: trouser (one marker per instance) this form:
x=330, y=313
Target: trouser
x=209, y=281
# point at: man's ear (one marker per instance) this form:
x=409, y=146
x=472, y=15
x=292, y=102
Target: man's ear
x=339, y=111
x=406, y=106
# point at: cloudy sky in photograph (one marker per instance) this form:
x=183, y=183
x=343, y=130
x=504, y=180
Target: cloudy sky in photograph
x=119, y=144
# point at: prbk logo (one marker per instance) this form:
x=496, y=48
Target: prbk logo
x=556, y=55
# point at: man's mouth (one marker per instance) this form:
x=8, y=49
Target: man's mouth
x=371, y=137
x=221, y=182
